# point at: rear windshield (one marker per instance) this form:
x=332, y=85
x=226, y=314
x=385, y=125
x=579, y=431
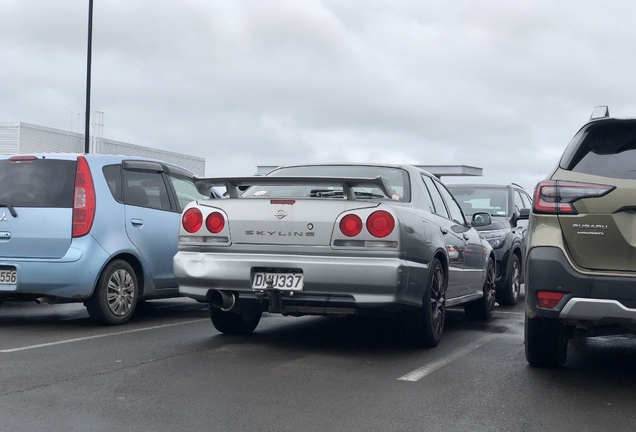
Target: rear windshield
x=37, y=183
x=398, y=180
x=489, y=200
x=606, y=148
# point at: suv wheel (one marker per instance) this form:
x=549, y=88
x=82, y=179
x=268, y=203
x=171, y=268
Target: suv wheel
x=233, y=323
x=508, y=292
x=484, y=307
x=546, y=342
x=115, y=296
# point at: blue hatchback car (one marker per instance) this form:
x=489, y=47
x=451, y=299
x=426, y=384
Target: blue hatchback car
x=97, y=229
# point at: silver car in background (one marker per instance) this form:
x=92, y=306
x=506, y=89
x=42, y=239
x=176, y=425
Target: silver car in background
x=335, y=240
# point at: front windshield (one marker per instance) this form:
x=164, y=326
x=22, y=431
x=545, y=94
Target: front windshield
x=489, y=200
x=398, y=180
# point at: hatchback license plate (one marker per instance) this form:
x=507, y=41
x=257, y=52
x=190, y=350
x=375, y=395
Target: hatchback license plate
x=8, y=277
x=279, y=281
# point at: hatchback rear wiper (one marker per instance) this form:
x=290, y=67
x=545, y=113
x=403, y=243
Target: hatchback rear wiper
x=11, y=209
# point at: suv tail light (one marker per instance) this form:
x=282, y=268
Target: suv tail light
x=84, y=199
x=351, y=225
x=556, y=197
x=192, y=220
x=380, y=224
x=215, y=222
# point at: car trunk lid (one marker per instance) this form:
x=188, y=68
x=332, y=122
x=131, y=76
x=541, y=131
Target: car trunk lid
x=36, y=203
x=602, y=235
x=284, y=222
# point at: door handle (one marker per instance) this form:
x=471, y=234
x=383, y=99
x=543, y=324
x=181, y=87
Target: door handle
x=443, y=230
x=137, y=222
x=466, y=237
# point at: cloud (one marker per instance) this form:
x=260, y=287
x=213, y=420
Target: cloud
x=496, y=84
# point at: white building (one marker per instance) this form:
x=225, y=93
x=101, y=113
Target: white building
x=24, y=138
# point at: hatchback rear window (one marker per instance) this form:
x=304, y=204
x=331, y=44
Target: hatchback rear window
x=37, y=183
x=606, y=148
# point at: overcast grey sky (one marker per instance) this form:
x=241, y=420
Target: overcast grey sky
x=498, y=84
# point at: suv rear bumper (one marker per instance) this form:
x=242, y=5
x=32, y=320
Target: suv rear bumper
x=597, y=310
x=588, y=299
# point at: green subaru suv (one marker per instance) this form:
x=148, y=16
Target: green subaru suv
x=581, y=246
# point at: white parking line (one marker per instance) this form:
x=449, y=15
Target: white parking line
x=511, y=313
x=420, y=373
x=24, y=348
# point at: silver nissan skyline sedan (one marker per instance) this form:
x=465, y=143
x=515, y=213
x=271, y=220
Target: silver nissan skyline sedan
x=335, y=240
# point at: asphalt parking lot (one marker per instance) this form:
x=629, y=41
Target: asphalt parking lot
x=168, y=369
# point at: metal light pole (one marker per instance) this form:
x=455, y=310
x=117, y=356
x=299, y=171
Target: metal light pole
x=88, y=77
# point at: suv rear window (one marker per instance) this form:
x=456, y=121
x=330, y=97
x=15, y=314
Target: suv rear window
x=606, y=148
x=37, y=183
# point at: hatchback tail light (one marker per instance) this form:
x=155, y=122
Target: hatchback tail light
x=351, y=225
x=84, y=199
x=215, y=222
x=380, y=224
x=556, y=197
x=192, y=220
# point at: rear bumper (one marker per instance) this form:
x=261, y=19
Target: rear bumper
x=71, y=277
x=349, y=282
x=588, y=299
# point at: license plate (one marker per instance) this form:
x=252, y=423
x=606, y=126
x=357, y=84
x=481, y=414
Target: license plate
x=8, y=277
x=278, y=281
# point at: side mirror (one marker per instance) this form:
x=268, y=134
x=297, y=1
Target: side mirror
x=481, y=219
x=524, y=213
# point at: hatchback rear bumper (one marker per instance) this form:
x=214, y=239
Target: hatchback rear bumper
x=71, y=277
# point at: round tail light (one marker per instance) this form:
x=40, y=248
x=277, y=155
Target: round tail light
x=192, y=220
x=351, y=225
x=380, y=224
x=215, y=222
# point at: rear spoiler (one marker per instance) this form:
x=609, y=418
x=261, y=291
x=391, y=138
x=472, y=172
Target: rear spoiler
x=232, y=184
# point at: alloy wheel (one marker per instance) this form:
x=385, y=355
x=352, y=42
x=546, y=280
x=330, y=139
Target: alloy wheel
x=121, y=292
x=437, y=302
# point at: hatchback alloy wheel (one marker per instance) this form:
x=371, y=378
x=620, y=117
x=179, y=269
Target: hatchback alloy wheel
x=115, y=296
x=121, y=292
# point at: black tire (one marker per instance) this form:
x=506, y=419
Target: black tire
x=546, y=342
x=484, y=308
x=425, y=326
x=232, y=323
x=508, y=291
x=115, y=296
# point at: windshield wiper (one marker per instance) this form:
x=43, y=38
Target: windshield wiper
x=11, y=209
